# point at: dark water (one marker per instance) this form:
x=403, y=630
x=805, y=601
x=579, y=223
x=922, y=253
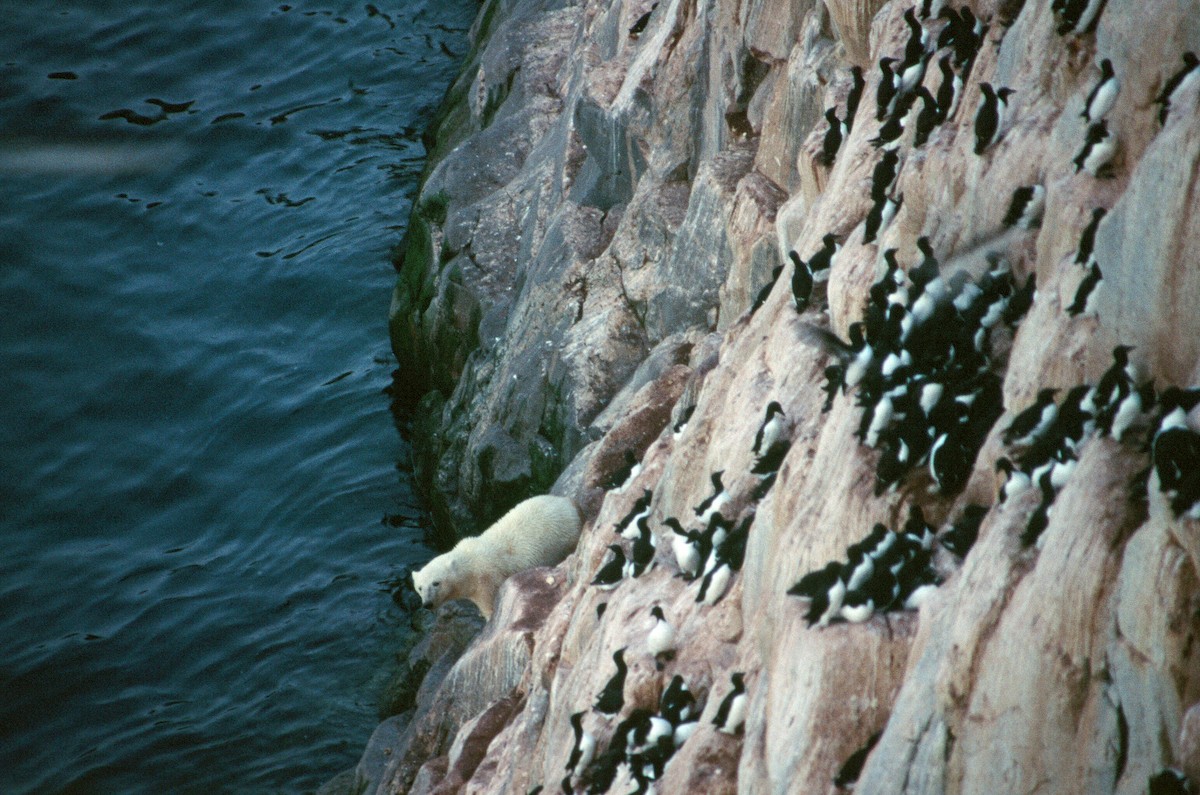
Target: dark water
x=199, y=489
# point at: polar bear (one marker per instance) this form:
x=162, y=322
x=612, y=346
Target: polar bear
x=540, y=531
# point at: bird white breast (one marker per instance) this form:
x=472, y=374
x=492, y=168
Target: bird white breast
x=919, y=596
x=587, y=752
x=1061, y=473
x=661, y=639
x=857, y=370
x=718, y=585
x=1017, y=483
x=879, y=421
x=1100, y=155
x=686, y=554
x=861, y=573
x=858, y=613
x=736, y=716
x=685, y=730
x=836, y=594
x=1104, y=100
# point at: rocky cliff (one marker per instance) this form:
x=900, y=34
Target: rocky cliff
x=587, y=281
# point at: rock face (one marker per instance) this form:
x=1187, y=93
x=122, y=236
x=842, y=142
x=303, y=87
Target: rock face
x=603, y=209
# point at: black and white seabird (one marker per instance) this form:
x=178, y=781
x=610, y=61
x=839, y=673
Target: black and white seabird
x=825, y=590
x=1116, y=381
x=949, y=90
x=820, y=263
x=1175, y=453
x=713, y=503
x=612, y=697
x=765, y=292
x=1079, y=16
x=1138, y=402
x=1103, y=95
x=1099, y=146
x=802, y=282
x=627, y=527
x=1025, y=209
x=716, y=581
x=989, y=116
x=931, y=8
x=1015, y=480
x=917, y=45
x=851, y=769
x=639, y=27
x=684, y=417
x=611, y=573
x=1086, y=294
x=886, y=94
x=1187, y=75
x=677, y=704
x=1039, y=520
x=731, y=714
x=660, y=641
x=962, y=534
x=1031, y=423
x=916, y=530
x=883, y=177
x=881, y=214
x=1169, y=781
x=1086, y=251
x=833, y=137
x=875, y=595
x=929, y=117
x=584, y=749
x=855, y=95
x=641, y=553
x=769, y=430
x=687, y=547
x=627, y=473
x=950, y=462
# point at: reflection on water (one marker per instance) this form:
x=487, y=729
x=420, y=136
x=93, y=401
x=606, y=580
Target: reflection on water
x=200, y=498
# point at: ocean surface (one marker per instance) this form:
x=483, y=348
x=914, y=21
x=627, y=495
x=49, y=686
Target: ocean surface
x=204, y=498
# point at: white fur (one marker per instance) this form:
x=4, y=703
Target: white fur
x=540, y=531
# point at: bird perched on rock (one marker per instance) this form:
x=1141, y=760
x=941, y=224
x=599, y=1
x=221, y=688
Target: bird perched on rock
x=962, y=534
x=1103, y=95
x=802, y=282
x=825, y=590
x=1084, y=302
x=731, y=714
x=660, y=641
x=989, y=116
x=714, y=502
x=639, y=27
x=612, y=697
x=1025, y=209
x=687, y=546
x=1085, y=252
x=584, y=749
x=1184, y=79
x=640, y=509
x=1031, y=423
x=1099, y=146
x=834, y=136
x=851, y=769
x=611, y=573
x=1175, y=452
x=852, y=99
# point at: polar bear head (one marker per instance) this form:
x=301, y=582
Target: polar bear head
x=433, y=583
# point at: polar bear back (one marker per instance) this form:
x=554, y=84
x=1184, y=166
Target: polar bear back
x=540, y=531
